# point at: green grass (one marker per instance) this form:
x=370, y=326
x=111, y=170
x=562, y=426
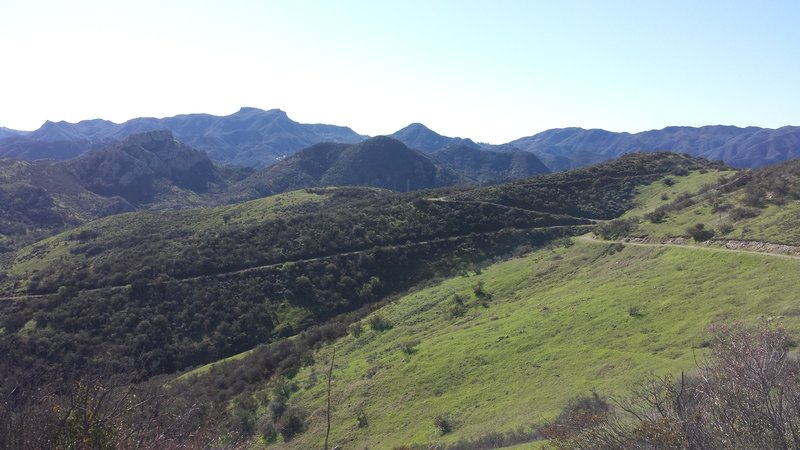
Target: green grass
x=775, y=223
x=206, y=367
x=649, y=197
x=559, y=324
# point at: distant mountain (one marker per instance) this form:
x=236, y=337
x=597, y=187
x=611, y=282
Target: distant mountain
x=565, y=148
x=142, y=166
x=30, y=149
x=249, y=137
x=6, y=132
x=422, y=138
x=488, y=166
x=379, y=162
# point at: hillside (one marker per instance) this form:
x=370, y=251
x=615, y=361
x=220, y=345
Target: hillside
x=556, y=324
x=507, y=347
x=39, y=198
x=760, y=206
x=145, y=171
x=486, y=166
x=142, y=165
x=248, y=137
x=152, y=294
x=566, y=148
x=377, y=162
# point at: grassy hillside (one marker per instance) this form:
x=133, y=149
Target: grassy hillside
x=559, y=323
x=148, y=294
x=760, y=205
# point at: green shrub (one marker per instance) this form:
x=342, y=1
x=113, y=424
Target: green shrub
x=356, y=329
x=443, y=424
x=378, y=323
x=699, y=233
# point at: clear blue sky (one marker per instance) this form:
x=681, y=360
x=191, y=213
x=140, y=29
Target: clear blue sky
x=490, y=70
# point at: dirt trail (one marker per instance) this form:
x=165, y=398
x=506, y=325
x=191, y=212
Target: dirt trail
x=301, y=260
x=740, y=244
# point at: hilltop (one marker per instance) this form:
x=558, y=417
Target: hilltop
x=377, y=162
x=422, y=138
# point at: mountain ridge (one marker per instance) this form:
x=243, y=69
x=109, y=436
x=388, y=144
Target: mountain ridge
x=257, y=138
x=750, y=147
x=248, y=137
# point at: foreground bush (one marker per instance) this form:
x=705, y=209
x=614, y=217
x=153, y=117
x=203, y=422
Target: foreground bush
x=746, y=397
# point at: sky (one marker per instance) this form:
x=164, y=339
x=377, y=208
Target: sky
x=492, y=70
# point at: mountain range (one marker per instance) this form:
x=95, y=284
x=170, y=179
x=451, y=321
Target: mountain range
x=257, y=138
x=249, y=137
x=751, y=147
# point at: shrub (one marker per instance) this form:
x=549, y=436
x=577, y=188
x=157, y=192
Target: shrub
x=378, y=323
x=737, y=214
x=356, y=329
x=616, y=228
x=725, y=228
x=699, y=233
x=747, y=395
x=442, y=424
x=478, y=289
x=291, y=423
x=409, y=348
x=656, y=216
x=580, y=413
x=361, y=418
x=458, y=306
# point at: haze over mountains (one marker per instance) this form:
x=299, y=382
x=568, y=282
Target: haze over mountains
x=751, y=147
x=249, y=137
x=256, y=138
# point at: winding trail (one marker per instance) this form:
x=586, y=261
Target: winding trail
x=124, y=287
x=590, y=238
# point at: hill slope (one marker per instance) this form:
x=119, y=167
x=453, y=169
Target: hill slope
x=38, y=198
x=759, y=205
x=149, y=170
x=378, y=162
x=134, y=168
x=557, y=324
x=147, y=294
